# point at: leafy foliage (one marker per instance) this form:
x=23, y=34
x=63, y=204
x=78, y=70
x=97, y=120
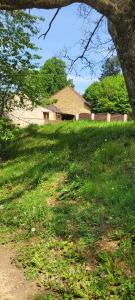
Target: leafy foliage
x=7, y=134
x=109, y=95
x=52, y=77
x=17, y=57
x=5, y=130
x=110, y=67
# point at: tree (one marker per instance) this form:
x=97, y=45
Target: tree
x=52, y=77
x=17, y=60
x=121, y=25
x=110, y=67
x=109, y=95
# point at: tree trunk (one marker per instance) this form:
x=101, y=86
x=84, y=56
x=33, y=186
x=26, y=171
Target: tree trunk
x=123, y=35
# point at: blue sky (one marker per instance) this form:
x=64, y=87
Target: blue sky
x=67, y=31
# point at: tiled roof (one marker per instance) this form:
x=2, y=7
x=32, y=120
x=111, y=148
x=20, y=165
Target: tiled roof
x=54, y=109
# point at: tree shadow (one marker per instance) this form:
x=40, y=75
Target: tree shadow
x=79, y=212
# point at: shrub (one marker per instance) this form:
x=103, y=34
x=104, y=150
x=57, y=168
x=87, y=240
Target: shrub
x=108, y=95
x=7, y=134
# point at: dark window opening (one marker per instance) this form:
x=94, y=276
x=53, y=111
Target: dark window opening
x=68, y=117
x=46, y=115
x=58, y=116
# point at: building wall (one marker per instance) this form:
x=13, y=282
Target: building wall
x=70, y=102
x=52, y=116
x=23, y=117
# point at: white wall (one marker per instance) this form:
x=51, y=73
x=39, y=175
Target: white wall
x=24, y=117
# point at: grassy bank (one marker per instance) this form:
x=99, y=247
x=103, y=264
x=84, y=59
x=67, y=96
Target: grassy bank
x=67, y=201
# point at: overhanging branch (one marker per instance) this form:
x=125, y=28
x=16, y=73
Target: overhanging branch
x=24, y=4
x=82, y=55
x=50, y=24
x=105, y=7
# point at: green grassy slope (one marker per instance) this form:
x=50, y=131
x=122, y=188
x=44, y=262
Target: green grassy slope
x=67, y=201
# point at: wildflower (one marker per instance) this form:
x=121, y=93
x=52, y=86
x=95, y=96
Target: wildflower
x=33, y=229
x=1, y=206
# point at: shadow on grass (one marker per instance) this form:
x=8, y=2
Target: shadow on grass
x=92, y=158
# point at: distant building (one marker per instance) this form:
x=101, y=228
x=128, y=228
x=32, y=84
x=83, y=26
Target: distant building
x=69, y=105
x=37, y=115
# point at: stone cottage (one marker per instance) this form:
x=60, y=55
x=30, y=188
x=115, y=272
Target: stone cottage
x=69, y=105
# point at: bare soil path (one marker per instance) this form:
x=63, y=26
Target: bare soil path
x=13, y=285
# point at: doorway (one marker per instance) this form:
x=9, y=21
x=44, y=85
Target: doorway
x=46, y=116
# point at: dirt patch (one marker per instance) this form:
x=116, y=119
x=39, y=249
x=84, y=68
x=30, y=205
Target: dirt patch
x=123, y=266
x=108, y=245
x=13, y=285
x=51, y=202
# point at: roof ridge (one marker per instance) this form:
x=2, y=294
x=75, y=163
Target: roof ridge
x=78, y=94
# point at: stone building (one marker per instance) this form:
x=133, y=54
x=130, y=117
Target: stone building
x=69, y=105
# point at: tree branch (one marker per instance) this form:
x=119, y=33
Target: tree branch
x=91, y=36
x=82, y=56
x=105, y=7
x=50, y=24
x=24, y=4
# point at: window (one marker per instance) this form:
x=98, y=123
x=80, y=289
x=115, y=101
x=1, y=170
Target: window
x=58, y=116
x=46, y=116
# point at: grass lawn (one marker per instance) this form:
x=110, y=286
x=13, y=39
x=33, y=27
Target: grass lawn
x=67, y=203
